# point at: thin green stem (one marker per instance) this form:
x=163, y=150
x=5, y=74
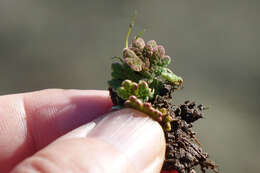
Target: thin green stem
x=130, y=29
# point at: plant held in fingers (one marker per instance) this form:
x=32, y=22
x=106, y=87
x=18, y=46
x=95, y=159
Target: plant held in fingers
x=142, y=80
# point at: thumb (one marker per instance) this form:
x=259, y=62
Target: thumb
x=123, y=141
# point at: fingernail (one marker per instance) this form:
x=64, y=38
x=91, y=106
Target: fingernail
x=135, y=135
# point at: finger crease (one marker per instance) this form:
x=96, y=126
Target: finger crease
x=29, y=131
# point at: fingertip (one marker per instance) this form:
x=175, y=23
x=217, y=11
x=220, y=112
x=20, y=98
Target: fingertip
x=136, y=135
x=122, y=141
x=76, y=155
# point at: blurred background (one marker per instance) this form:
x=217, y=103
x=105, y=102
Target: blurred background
x=215, y=45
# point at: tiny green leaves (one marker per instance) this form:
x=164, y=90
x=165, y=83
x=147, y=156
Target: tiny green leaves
x=140, y=90
x=172, y=78
x=117, y=70
x=144, y=92
x=127, y=89
x=165, y=61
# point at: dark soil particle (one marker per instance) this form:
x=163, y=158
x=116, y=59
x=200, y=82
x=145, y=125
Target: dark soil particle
x=183, y=150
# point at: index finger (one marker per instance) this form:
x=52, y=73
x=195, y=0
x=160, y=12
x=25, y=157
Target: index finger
x=30, y=121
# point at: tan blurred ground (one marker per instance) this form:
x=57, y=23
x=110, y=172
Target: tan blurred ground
x=68, y=44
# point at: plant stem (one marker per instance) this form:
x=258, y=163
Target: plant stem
x=130, y=29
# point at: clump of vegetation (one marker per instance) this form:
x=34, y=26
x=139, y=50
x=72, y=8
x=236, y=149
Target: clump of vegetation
x=142, y=80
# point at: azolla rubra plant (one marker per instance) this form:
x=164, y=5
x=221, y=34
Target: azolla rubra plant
x=142, y=80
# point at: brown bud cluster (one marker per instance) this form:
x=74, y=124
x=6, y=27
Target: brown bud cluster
x=142, y=56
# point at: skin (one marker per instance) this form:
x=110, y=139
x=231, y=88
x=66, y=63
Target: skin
x=57, y=131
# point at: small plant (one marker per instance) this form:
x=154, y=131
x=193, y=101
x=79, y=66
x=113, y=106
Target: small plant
x=142, y=80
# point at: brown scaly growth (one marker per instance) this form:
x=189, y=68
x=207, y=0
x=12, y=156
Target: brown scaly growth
x=141, y=80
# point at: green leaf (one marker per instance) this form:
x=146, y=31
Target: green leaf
x=165, y=61
x=123, y=93
x=115, y=83
x=143, y=90
x=156, y=85
x=171, y=77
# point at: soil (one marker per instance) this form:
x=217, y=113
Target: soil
x=183, y=150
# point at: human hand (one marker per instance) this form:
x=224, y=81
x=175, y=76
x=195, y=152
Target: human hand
x=32, y=125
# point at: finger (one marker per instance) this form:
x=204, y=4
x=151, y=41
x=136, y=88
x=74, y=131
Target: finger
x=123, y=141
x=30, y=121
